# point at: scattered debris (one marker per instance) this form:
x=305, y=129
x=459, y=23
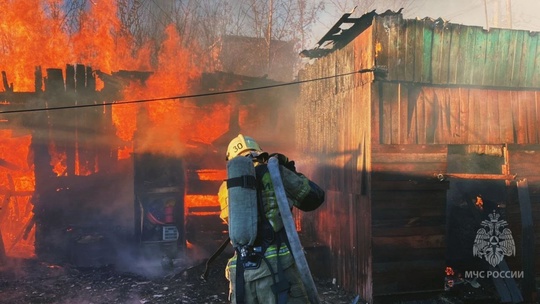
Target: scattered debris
x=32, y=281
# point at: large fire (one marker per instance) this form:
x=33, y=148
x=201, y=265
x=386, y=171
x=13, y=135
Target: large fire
x=16, y=189
x=32, y=34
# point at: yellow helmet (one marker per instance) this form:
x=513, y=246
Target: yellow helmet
x=241, y=144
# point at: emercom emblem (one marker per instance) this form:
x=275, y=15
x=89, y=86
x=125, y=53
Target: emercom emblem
x=494, y=241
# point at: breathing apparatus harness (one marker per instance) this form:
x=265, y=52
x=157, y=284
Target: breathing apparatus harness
x=250, y=256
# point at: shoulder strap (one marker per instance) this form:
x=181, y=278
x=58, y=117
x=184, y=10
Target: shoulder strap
x=244, y=181
x=266, y=235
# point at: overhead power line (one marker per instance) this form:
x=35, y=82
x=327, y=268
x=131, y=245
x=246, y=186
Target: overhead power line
x=380, y=69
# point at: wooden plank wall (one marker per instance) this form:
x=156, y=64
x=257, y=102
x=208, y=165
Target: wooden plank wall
x=333, y=135
x=408, y=218
x=439, y=52
x=74, y=133
x=71, y=138
x=414, y=114
x=523, y=161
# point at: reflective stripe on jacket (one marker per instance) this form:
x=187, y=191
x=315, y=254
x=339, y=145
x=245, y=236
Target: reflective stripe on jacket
x=285, y=258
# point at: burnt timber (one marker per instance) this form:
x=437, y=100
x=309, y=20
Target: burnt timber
x=71, y=203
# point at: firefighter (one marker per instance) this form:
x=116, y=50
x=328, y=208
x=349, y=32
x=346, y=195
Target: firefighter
x=269, y=273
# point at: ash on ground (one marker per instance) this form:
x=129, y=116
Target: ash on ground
x=34, y=281
x=132, y=281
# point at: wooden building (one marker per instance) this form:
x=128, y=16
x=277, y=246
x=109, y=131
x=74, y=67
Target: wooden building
x=89, y=201
x=408, y=120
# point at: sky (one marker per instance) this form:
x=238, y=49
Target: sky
x=525, y=14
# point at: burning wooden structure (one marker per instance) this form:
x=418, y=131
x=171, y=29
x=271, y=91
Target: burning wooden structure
x=415, y=119
x=93, y=195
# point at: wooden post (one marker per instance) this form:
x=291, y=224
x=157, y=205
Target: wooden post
x=527, y=256
x=23, y=234
x=70, y=134
x=7, y=87
x=2, y=250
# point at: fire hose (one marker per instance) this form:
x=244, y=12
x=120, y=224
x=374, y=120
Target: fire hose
x=222, y=247
x=292, y=234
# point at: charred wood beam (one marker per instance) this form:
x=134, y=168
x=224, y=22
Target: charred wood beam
x=7, y=199
x=112, y=85
x=41, y=159
x=336, y=29
x=339, y=36
x=38, y=79
x=477, y=176
x=85, y=95
x=5, y=191
x=139, y=75
x=90, y=80
x=11, y=166
x=23, y=234
x=70, y=78
x=2, y=249
x=54, y=89
x=71, y=134
x=7, y=87
x=202, y=187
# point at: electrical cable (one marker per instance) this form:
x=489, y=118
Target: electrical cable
x=189, y=96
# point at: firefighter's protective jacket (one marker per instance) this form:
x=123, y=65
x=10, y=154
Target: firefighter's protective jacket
x=298, y=187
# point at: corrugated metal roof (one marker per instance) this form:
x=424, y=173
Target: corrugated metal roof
x=435, y=51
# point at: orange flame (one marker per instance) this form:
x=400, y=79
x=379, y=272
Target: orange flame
x=192, y=202
x=174, y=76
x=212, y=175
x=205, y=201
x=16, y=188
x=58, y=161
x=479, y=202
x=30, y=38
x=32, y=35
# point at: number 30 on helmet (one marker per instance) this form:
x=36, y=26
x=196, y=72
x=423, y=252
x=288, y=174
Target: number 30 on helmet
x=241, y=144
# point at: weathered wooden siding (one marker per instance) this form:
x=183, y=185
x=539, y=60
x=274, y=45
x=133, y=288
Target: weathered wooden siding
x=453, y=84
x=377, y=144
x=438, y=52
x=333, y=132
x=408, y=217
x=523, y=161
x=414, y=114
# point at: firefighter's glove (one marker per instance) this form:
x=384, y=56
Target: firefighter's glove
x=284, y=161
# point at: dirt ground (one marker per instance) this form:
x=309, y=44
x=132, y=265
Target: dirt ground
x=32, y=281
